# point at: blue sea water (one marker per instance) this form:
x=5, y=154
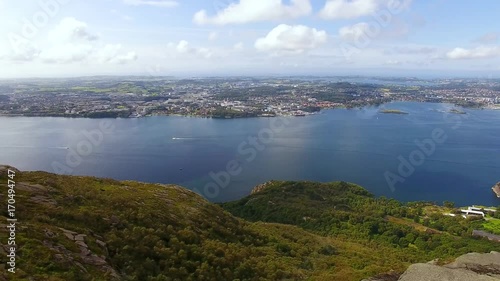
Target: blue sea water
x=361, y=146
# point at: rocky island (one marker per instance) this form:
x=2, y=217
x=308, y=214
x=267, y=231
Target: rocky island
x=393, y=111
x=457, y=111
x=496, y=189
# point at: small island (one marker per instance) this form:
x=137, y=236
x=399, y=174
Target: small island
x=457, y=111
x=393, y=111
x=496, y=189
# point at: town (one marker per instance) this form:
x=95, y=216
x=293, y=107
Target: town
x=133, y=97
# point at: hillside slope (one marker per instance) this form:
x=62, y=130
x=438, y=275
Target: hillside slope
x=84, y=228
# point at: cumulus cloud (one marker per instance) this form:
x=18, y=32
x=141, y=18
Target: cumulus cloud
x=69, y=41
x=111, y=53
x=354, y=32
x=246, y=11
x=184, y=48
x=291, y=39
x=350, y=9
x=155, y=3
x=475, y=53
x=22, y=49
x=70, y=29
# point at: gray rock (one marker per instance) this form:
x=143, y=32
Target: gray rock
x=80, y=237
x=100, y=243
x=81, y=244
x=469, y=267
x=94, y=260
x=68, y=231
x=70, y=236
x=429, y=272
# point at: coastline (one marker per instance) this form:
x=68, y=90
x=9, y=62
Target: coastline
x=291, y=114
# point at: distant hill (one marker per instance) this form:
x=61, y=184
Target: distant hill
x=85, y=228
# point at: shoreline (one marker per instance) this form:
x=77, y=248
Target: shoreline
x=253, y=190
x=382, y=111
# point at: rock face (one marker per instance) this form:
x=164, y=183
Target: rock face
x=469, y=267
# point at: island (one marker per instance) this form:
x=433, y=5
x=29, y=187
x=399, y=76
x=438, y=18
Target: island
x=393, y=111
x=496, y=189
x=457, y=111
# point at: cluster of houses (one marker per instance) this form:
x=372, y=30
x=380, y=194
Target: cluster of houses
x=474, y=211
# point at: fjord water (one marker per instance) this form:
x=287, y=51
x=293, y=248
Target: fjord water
x=357, y=145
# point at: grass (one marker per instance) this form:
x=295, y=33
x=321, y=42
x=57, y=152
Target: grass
x=493, y=226
x=411, y=223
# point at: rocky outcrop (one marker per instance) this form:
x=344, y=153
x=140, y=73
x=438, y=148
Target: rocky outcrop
x=86, y=255
x=4, y=169
x=261, y=187
x=469, y=267
x=496, y=189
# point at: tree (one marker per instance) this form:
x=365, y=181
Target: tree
x=449, y=204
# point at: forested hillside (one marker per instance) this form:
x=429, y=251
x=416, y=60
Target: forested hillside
x=83, y=228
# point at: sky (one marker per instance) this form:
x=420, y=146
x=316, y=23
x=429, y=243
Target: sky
x=63, y=38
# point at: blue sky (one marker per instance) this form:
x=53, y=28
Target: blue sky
x=51, y=38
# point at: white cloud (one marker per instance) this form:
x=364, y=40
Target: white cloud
x=184, y=48
x=70, y=29
x=291, y=39
x=155, y=3
x=112, y=54
x=392, y=62
x=70, y=41
x=350, y=9
x=212, y=36
x=354, y=32
x=66, y=53
x=343, y=9
x=476, y=53
x=246, y=11
x=238, y=46
x=22, y=49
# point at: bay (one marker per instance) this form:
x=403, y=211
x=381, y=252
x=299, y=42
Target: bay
x=362, y=146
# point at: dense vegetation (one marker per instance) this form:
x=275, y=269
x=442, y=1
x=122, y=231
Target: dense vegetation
x=301, y=230
x=349, y=211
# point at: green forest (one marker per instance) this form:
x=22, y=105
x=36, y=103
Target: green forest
x=85, y=228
